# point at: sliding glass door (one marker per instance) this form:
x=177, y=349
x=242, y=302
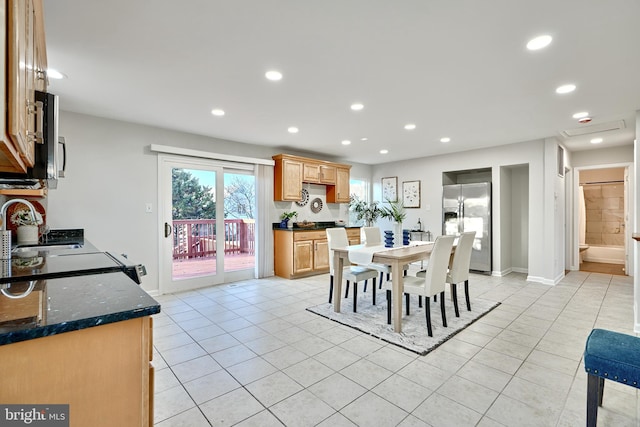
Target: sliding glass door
x=207, y=223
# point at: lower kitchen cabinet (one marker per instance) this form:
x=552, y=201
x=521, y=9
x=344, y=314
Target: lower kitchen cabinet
x=104, y=373
x=305, y=252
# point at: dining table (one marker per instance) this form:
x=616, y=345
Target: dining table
x=396, y=257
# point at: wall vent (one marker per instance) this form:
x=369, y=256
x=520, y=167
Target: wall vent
x=596, y=128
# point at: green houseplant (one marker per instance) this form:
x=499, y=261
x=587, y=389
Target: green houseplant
x=369, y=212
x=395, y=212
x=285, y=217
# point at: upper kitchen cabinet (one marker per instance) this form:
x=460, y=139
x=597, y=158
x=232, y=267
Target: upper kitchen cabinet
x=318, y=173
x=287, y=180
x=292, y=171
x=339, y=193
x=24, y=71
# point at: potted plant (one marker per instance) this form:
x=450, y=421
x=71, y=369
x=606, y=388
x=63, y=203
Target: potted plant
x=285, y=217
x=369, y=212
x=396, y=213
x=26, y=227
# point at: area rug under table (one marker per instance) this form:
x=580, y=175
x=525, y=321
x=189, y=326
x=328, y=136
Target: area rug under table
x=372, y=320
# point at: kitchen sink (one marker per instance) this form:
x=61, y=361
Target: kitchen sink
x=35, y=248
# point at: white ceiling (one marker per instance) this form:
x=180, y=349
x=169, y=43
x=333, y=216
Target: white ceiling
x=456, y=68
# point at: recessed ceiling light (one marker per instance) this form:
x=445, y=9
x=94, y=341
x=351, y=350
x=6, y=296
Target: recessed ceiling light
x=596, y=140
x=445, y=139
x=384, y=151
x=566, y=88
x=539, y=42
x=346, y=142
x=364, y=139
x=357, y=106
x=55, y=74
x=580, y=115
x=410, y=126
x=273, y=75
x=217, y=112
x=293, y=129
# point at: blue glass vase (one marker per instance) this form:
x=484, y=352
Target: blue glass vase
x=406, y=237
x=388, y=238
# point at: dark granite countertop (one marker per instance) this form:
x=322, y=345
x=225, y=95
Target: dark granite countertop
x=56, y=306
x=51, y=290
x=320, y=225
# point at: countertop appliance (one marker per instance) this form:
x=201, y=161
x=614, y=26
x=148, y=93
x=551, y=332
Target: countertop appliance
x=467, y=207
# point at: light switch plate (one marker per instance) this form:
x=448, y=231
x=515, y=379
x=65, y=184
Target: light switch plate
x=148, y=208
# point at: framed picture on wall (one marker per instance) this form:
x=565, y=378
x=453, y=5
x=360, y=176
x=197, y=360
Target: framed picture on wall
x=411, y=194
x=390, y=189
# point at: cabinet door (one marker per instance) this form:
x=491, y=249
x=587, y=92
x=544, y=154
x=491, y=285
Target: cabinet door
x=20, y=77
x=302, y=256
x=287, y=180
x=339, y=193
x=311, y=173
x=327, y=174
x=40, y=54
x=321, y=255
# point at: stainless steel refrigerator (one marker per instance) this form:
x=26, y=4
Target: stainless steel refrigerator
x=467, y=207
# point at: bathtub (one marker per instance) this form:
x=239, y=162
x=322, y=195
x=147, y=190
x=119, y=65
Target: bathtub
x=606, y=254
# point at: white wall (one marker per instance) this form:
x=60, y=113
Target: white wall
x=111, y=174
x=429, y=171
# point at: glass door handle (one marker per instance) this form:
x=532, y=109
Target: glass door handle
x=167, y=229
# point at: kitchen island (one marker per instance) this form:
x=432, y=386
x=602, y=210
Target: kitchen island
x=84, y=340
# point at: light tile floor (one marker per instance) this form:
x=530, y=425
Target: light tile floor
x=249, y=354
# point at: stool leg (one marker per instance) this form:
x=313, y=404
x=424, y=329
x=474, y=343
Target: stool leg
x=594, y=388
x=600, y=391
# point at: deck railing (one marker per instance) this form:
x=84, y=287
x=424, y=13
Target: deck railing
x=196, y=238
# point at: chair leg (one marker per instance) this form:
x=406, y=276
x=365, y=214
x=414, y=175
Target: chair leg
x=595, y=386
x=454, y=296
x=346, y=292
x=365, y=285
x=381, y=278
x=427, y=314
x=406, y=299
x=330, y=288
x=388, y=306
x=355, y=295
x=420, y=301
x=444, y=313
x=466, y=294
x=374, y=290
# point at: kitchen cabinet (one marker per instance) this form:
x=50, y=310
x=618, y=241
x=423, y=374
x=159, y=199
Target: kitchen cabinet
x=316, y=173
x=290, y=172
x=340, y=192
x=24, y=63
x=104, y=373
x=304, y=253
x=287, y=183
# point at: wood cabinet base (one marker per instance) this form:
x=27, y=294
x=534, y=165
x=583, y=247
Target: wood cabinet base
x=103, y=373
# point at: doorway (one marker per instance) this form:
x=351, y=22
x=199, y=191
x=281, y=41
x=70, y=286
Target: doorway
x=602, y=220
x=207, y=217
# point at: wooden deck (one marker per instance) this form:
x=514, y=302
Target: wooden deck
x=194, y=267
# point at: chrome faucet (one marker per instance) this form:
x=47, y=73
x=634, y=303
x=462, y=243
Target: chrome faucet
x=5, y=235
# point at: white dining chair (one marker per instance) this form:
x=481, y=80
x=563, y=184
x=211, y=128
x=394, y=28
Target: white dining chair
x=433, y=282
x=337, y=238
x=373, y=237
x=459, y=268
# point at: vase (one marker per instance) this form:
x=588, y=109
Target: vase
x=27, y=234
x=406, y=237
x=388, y=238
x=397, y=231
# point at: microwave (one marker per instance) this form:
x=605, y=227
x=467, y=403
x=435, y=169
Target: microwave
x=50, y=153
